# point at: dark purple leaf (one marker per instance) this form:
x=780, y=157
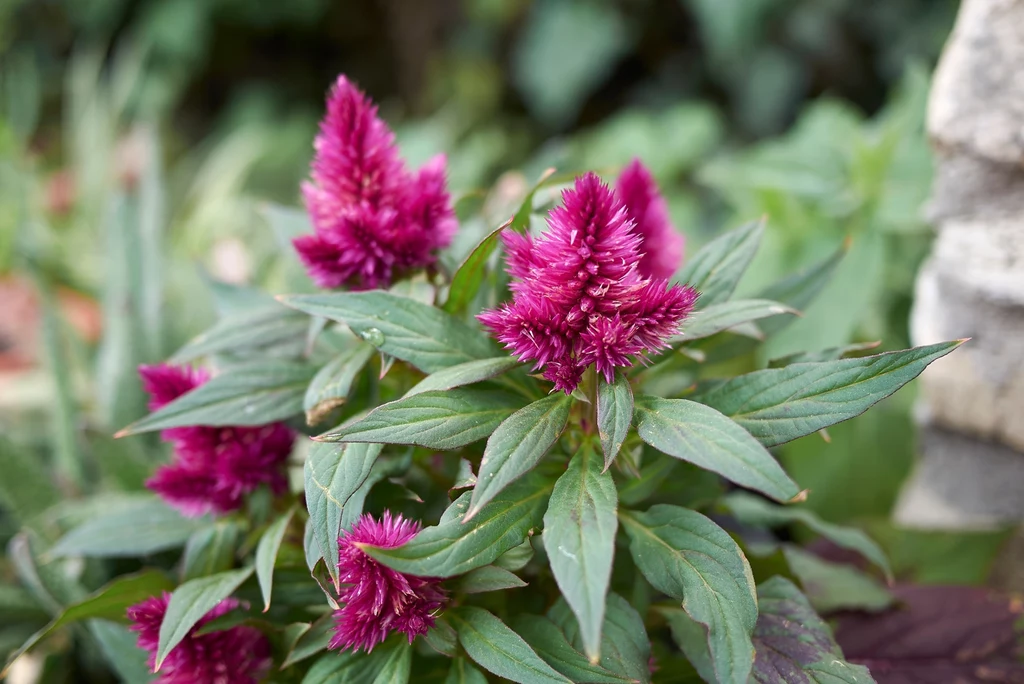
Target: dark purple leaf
x=965, y=635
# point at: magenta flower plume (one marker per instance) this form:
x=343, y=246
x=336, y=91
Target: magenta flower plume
x=238, y=655
x=578, y=295
x=661, y=244
x=373, y=219
x=214, y=468
x=376, y=599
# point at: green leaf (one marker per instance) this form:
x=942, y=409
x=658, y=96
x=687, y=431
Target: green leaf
x=716, y=269
x=547, y=641
x=252, y=394
x=834, y=586
x=266, y=555
x=798, y=290
x=439, y=419
x=703, y=436
x=518, y=445
x=454, y=547
x=191, y=602
x=725, y=315
x=210, y=550
x=521, y=219
x=425, y=336
x=752, y=510
x=794, y=644
x=579, y=536
x=247, y=332
x=382, y=469
x=332, y=383
x=389, y=663
x=830, y=354
x=333, y=474
x=312, y=640
x=778, y=405
x=496, y=648
x=442, y=638
x=687, y=556
x=516, y=558
x=109, y=602
x=470, y=274
x=461, y=672
x=464, y=374
x=614, y=415
x=119, y=647
x=133, y=528
x=625, y=648
x=487, y=578
x=25, y=488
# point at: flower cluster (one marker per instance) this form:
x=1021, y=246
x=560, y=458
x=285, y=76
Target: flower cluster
x=237, y=655
x=376, y=599
x=579, y=297
x=661, y=245
x=373, y=219
x=214, y=467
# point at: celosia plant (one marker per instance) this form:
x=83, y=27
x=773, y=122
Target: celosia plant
x=591, y=504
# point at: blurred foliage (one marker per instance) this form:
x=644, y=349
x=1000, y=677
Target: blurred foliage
x=135, y=135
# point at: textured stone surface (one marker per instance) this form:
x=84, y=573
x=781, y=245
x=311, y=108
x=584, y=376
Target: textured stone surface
x=962, y=483
x=977, y=101
x=971, y=468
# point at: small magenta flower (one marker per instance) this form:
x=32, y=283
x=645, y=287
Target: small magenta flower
x=237, y=655
x=373, y=220
x=578, y=295
x=661, y=244
x=378, y=600
x=214, y=468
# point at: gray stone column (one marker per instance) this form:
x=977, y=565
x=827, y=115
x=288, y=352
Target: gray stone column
x=971, y=468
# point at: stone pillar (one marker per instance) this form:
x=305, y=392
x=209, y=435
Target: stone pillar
x=971, y=410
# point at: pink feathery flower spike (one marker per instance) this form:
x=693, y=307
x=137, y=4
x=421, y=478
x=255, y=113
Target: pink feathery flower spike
x=237, y=655
x=373, y=220
x=661, y=244
x=578, y=295
x=214, y=468
x=376, y=599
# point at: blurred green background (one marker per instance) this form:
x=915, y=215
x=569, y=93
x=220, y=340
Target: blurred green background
x=142, y=137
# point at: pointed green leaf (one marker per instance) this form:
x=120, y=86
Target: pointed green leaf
x=752, y=510
x=835, y=586
x=439, y=419
x=248, y=332
x=716, y=269
x=703, y=436
x=778, y=405
x=266, y=555
x=190, y=602
x=470, y=274
x=579, y=536
x=464, y=374
x=830, y=354
x=332, y=383
x=614, y=415
x=211, y=550
x=687, y=556
x=313, y=639
x=132, y=528
x=121, y=651
x=461, y=672
x=454, y=547
x=550, y=644
x=110, y=602
x=798, y=290
x=725, y=315
x=518, y=445
x=487, y=578
x=333, y=474
x=251, y=394
x=497, y=649
x=625, y=647
x=425, y=336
